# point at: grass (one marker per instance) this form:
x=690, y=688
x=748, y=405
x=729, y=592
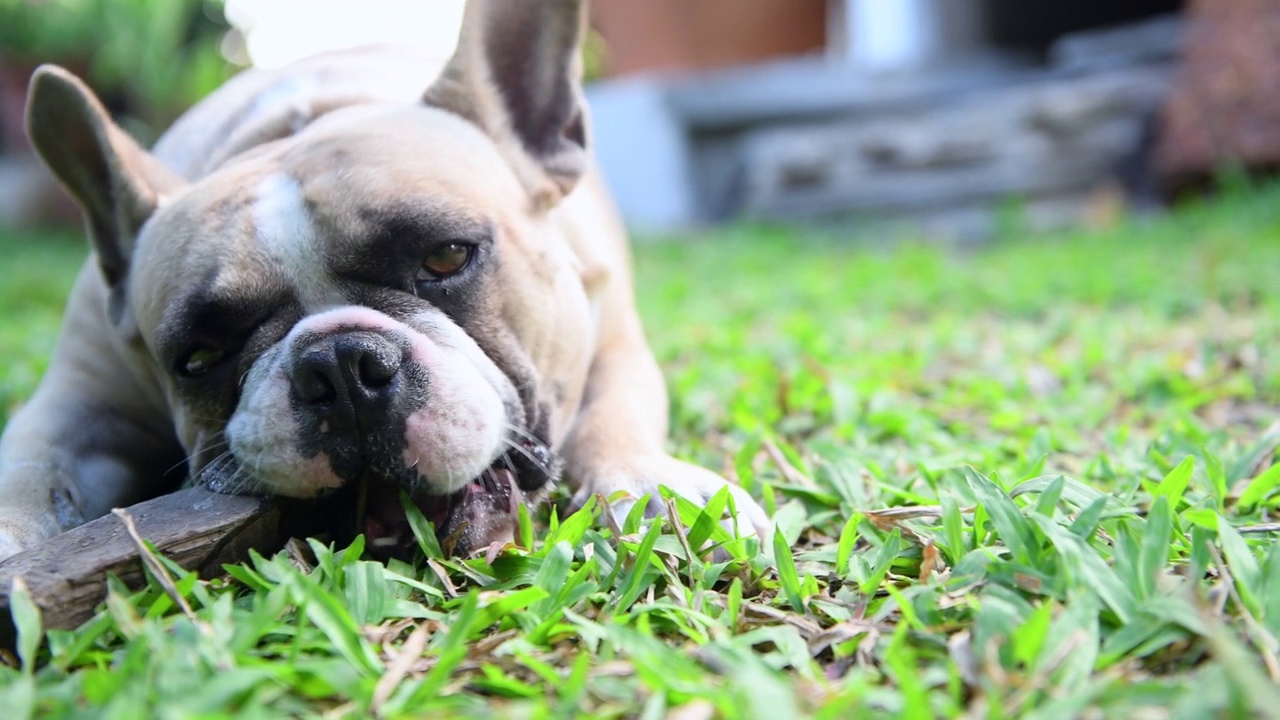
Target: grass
x=1033, y=479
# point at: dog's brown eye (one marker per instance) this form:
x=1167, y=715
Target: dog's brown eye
x=201, y=361
x=446, y=260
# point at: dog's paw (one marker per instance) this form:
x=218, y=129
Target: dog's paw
x=641, y=476
x=17, y=534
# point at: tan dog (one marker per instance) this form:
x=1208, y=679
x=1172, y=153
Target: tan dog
x=366, y=270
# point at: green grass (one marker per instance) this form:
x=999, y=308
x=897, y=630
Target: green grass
x=1033, y=479
x=35, y=277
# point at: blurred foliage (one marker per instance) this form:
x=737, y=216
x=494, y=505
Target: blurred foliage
x=148, y=58
x=595, y=56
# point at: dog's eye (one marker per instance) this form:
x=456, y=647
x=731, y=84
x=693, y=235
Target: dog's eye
x=446, y=260
x=200, y=361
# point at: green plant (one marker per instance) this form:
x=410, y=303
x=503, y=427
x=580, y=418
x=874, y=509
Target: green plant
x=1037, y=479
x=158, y=57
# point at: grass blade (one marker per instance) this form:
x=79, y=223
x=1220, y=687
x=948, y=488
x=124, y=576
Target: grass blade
x=1011, y=525
x=1175, y=483
x=1260, y=487
x=788, y=576
x=1154, y=555
x=634, y=582
x=327, y=613
x=26, y=620
x=423, y=531
x=848, y=539
x=1243, y=564
x=1089, y=570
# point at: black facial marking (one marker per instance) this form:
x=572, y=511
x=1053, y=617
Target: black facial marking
x=271, y=331
x=225, y=318
x=390, y=302
x=244, y=322
x=394, y=240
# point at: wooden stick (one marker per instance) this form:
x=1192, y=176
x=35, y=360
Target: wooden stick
x=198, y=529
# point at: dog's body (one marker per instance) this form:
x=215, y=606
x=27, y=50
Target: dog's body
x=367, y=269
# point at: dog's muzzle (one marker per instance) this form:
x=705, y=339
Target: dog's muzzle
x=352, y=391
x=349, y=381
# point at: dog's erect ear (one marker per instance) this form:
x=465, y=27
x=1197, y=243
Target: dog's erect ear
x=117, y=183
x=517, y=74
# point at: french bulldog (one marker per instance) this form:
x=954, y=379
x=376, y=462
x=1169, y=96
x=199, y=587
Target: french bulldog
x=371, y=270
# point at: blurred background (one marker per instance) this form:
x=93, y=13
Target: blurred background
x=936, y=115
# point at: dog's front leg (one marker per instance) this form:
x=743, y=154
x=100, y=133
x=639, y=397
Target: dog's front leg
x=92, y=437
x=36, y=487
x=618, y=439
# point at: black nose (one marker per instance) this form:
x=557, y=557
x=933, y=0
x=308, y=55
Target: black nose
x=351, y=378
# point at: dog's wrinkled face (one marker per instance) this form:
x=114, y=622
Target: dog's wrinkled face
x=382, y=300
x=372, y=303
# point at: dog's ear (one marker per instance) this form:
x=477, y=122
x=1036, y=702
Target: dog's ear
x=116, y=182
x=517, y=74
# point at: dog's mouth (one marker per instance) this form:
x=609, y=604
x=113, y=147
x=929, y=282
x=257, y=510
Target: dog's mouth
x=478, y=515
x=482, y=512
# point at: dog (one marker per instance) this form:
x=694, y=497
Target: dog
x=370, y=272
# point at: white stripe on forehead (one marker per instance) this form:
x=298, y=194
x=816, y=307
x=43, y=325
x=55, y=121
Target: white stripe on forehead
x=285, y=229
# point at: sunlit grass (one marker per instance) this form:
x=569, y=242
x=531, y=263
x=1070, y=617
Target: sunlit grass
x=1028, y=479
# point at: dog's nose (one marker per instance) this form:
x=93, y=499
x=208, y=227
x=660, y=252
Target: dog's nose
x=351, y=377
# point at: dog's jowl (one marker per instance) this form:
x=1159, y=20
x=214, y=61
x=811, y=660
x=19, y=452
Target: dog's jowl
x=368, y=272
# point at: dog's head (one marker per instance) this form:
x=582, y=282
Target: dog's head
x=383, y=301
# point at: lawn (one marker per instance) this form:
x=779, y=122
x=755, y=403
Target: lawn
x=1030, y=479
